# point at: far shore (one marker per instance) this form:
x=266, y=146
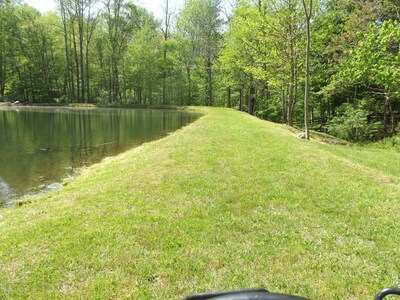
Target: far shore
x=89, y=105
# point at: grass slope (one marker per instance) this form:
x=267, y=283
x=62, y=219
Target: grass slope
x=227, y=202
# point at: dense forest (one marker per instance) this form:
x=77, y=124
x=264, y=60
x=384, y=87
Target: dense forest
x=261, y=56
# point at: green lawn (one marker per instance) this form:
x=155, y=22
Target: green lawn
x=227, y=202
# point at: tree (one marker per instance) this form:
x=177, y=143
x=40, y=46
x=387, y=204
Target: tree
x=308, y=14
x=79, y=22
x=263, y=42
x=144, y=61
x=5, y=26
x=238, y=56
x=374, y=64
x=201, y=24
x=31, y=55
x=166, y=30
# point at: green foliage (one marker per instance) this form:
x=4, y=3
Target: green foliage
x=199, y=27
x=376, y=59
x=144, y=63
x=270, y=110
x=352, y=124
x=392, y=142
x=264, y=50
x=116, y=52
x=29, y=55
x=107, y=51
x=103, y=98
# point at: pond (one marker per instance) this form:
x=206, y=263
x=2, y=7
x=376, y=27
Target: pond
x=42, y=146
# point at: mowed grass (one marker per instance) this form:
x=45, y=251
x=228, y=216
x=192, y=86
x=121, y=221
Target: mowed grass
x=227, y=202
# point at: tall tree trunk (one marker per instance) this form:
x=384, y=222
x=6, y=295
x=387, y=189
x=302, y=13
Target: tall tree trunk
x=72, y=81
x=389, y=104
x=284, y=102
x=110, y=85
x=241, y=95
x=69, y=80
x=291, y=99
x=252, y=97
x=87, y=75
x=229, y=97
x=116, y=85
x=189, y=85
x=209, y=96
x=2, y=60
x=125, y=97
x=385, y=117
x=166, y=33
x=89, y=32
x=308, y=14
x=3, y=75
x=103, y=73
x=81, y=52
x=76, y=64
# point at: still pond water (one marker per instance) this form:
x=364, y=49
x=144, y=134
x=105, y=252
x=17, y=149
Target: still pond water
x=41, y=146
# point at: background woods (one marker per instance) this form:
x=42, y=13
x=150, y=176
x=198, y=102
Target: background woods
x=247, y=54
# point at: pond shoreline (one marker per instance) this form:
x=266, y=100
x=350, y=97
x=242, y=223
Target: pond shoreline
x=90, y=105
x=47, y=142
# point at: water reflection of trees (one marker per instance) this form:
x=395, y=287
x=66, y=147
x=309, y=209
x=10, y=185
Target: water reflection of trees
x=41, y=145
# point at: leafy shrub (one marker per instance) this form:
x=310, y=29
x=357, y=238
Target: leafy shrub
x=352, y=125
x=392, y=142
x=270, y=110
x=103, y=98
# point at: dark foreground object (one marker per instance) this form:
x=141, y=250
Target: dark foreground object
x=262, y=294
x=386, y=292
x=249, y=294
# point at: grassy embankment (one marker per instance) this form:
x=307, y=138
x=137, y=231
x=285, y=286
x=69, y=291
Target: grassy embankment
x=227, y=202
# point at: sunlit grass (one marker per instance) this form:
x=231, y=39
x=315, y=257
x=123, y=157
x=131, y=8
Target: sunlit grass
x=227, y=202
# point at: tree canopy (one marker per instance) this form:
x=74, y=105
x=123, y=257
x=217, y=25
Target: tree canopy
x=252, y=58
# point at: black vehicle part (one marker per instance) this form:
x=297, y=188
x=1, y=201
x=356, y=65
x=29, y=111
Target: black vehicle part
x=248, y=294
x=386, y=292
